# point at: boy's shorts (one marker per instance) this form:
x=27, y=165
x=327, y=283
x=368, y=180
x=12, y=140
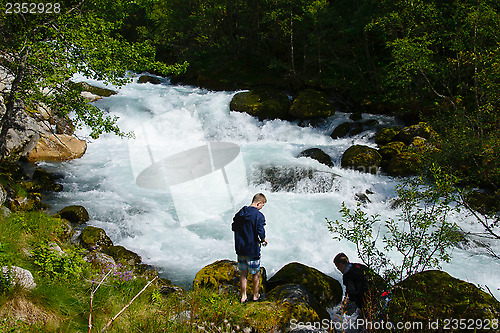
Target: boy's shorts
x=248, y=264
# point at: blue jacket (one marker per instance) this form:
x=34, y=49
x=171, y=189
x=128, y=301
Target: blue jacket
x=248, y=226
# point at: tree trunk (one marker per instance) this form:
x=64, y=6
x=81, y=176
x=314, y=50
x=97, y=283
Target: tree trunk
x=10, y=112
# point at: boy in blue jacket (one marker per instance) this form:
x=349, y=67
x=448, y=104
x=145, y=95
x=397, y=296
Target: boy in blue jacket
x=248, y=227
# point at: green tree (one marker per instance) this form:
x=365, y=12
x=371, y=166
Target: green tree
x=421, y=237
x=42, y=50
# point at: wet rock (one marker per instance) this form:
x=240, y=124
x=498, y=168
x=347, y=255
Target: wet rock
x=318, y=155
x=123, y=255
x=386, y=135
x=487, y=203
x=103, y=92
x=341, y=130
x=404, y=164
x=75, y=214
x=148, y=79
x=326, y=290
x=298, y=304
x=311, y=103
x=45, y=181
x=264, y=104
x=435, y=295
x=361, y=158
x=392, y=149
x=223, y=273
x=422, y=130
x=93, y=238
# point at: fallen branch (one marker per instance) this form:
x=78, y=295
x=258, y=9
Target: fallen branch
x=126, y=306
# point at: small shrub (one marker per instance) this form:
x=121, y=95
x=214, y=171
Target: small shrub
x=66, y=266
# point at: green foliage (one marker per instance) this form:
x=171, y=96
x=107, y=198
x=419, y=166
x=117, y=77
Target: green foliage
x=422, y=236
x=43, y=52
x=68, y=266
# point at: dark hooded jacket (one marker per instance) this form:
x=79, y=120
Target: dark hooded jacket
x=248, y=226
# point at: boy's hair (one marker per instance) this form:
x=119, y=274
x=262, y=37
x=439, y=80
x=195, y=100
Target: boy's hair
x=341, y=258
x=259, y=197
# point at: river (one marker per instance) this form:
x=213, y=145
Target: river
x=178, y=218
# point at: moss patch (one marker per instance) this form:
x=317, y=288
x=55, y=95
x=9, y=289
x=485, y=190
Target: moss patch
x=311, y=103
x=435, y=295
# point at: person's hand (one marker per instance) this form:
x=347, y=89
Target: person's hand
x=264, y=242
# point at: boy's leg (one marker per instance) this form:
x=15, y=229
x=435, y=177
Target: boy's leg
x=255, y=281
x=243, y=282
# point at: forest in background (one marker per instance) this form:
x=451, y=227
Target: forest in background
x=421, y=60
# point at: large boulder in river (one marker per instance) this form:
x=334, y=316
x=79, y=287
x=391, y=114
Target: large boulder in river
x=75, y=214
x=261, y=103
x=57, y=148
x=361, y=158
x=311, y=103
x=341, y=130
x=224, y=275
x=318, y=155
x=422, y=130
x=386, y=135
x=148, y=79
x=435, y=295
x=326, y=290
x=404, y=164
x=99, y=91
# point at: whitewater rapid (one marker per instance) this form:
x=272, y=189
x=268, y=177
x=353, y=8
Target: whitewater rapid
x=183, y=227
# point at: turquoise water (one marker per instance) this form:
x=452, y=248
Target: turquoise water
x=181, y=228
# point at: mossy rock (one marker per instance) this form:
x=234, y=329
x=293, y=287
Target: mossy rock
x=311, y=103
x=103, y=92
x=326, y=290
x=421, y=129
x=223, y=273
x=264, y=104
x=406, y=163
x=123, y=255
x=386, y=135
x=361, y=158
x=341, y=130
x=148, y=79
x=392, y=149
x=45, y=181
x=93, y=238
x=318, y=155
x=75, y=214
x=484, y=202
x=298, y=304
x=435, y=295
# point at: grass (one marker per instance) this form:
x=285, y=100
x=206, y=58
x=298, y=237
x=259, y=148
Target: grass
x=61, y=300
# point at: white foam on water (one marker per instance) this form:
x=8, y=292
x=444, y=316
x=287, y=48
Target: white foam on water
x=169, y=119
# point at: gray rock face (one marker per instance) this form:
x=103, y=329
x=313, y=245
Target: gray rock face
x=19, y=276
